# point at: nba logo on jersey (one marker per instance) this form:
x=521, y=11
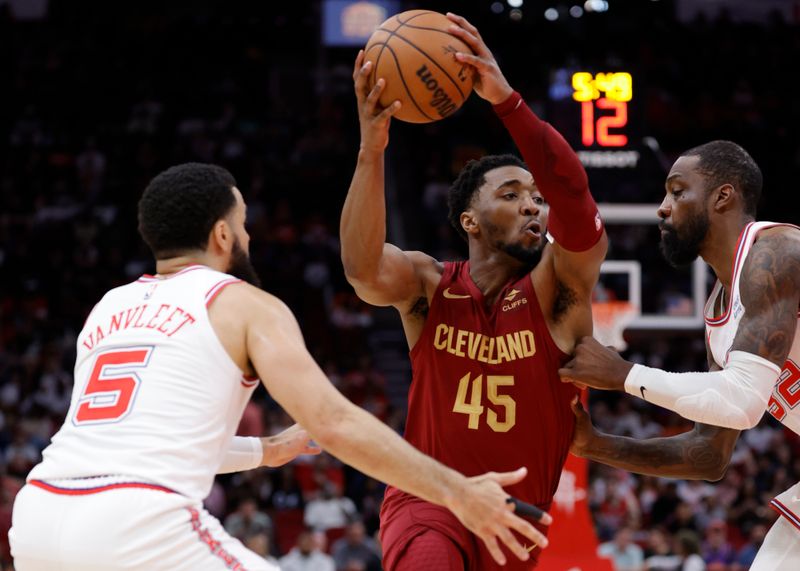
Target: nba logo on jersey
x=149, y=293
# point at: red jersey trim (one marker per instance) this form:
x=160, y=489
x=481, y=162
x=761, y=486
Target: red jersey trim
x=86, y=491
x=723, y=319
x=217, y=288
x=151, y=278
x=248, y=381
x=785, y=512
x=215, y=545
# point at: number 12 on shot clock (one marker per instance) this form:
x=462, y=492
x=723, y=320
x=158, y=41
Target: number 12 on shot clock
x=604, y=92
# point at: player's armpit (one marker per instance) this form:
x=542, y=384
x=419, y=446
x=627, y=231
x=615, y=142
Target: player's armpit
x=770, y=291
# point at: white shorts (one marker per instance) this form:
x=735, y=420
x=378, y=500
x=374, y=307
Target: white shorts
x=94, y=524
x=781, y=548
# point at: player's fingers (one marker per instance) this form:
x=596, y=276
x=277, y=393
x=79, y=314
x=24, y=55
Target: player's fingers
x=361, y=83
x=494, y=549
x=508, y=478
x=312, y=450
x=463, y=23
x=529, y=532
x=530, y=511
x=375, y=93
x=357, y=65
x=513, y=544
x=387, y=113
x=478, y=63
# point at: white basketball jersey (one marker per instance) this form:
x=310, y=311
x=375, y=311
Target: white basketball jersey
x=156, y=396
x=721, y=331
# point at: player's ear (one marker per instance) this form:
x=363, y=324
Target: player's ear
x=468, y=222
x=221, y=237
x=723, y=197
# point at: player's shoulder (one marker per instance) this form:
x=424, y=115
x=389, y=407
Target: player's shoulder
x=248, y=300
x=427, y=268
x=780, y=239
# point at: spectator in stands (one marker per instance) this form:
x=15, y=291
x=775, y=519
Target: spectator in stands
x=717, y=550
x=626, y=555
x=260, y=544
x=248, y=520
x=304, y=557
x=356, y=546
x=329, y=510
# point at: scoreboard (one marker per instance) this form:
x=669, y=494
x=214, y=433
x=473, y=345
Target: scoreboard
x=596, y=112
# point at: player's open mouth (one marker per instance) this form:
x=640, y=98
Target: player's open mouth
x=533, y=229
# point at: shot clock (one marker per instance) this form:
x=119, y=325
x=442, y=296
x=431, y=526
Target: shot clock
x=603, y=98
x=596, y=112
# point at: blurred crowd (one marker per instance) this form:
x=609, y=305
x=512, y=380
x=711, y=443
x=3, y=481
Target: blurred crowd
x=95, y=105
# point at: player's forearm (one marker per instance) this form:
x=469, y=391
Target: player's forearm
x=359, y=439
x=558, y=173
x=684, y=456
x=363, y=223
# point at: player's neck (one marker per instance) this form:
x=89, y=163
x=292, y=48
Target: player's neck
x=492, y=271
x=169, y=266
x=720, y=245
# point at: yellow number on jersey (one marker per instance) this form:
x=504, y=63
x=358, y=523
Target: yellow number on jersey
x=475, y=409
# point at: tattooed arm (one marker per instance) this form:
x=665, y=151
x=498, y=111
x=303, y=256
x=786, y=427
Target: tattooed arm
x=770, y=292
x=700, y=454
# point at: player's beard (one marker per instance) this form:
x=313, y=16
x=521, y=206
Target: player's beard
x=528, y=255
x=241, y=267
x=681, y=247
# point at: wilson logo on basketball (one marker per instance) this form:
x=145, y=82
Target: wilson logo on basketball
x=440, y=100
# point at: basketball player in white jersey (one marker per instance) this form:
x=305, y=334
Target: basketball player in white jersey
x=751, y=338
x=165, y=366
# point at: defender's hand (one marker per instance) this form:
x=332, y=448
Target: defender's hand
x=584, y=430
x=490, y=83
x=597, y=366
x=484, y=509
x=373, y=118
x=287, y=445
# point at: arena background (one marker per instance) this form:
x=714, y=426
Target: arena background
x=98, y=97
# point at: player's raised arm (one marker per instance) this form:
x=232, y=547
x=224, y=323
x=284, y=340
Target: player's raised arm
x=381, y=273
x=276, y=349
x=574, y=221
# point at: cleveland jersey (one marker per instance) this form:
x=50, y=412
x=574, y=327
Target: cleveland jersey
x=156, y=396
x=485, y=394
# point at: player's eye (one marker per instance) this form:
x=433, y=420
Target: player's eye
x=538, y=200
x=510, y=195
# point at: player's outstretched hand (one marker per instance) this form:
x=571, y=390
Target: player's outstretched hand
x=584, y=430
x=287, y=445
x=490, y=83
x=485, y=510
x=373, y=118
x=595, y=365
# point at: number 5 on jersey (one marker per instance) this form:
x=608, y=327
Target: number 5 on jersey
x=474, y=408
x=113, y=383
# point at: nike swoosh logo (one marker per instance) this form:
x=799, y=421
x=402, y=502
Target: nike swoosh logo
x=446, y=293
x=641, y=390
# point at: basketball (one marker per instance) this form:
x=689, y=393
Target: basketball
x=415, y=54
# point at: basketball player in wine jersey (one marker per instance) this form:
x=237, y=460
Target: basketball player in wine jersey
x=486, y=335
x=751, y=338
x=165, y=366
